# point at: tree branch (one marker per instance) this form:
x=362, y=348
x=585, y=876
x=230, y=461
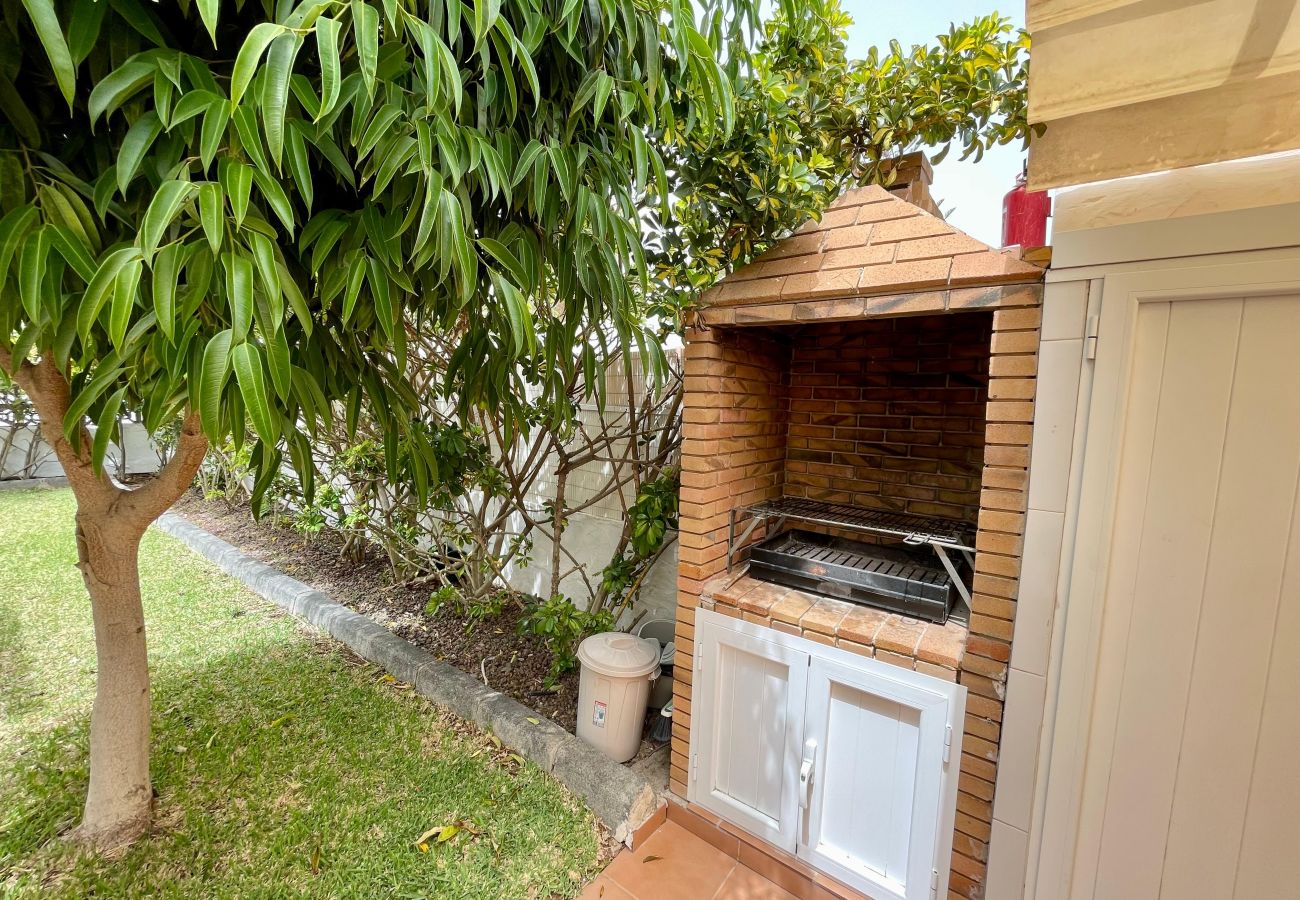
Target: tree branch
x=49, y=392
x=158, y=494
x=7, y=364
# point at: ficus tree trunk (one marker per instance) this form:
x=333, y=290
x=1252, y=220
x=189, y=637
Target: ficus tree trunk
x=110, y=522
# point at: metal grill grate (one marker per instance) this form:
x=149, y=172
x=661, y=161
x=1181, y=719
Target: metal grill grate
x=868, y=561
x=898, y=579
x=912, y=529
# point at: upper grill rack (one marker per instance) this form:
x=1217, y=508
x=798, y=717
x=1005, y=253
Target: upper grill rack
x=912, y=529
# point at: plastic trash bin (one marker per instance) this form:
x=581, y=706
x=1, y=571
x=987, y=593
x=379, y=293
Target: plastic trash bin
x=661, y=630
x=617, y=670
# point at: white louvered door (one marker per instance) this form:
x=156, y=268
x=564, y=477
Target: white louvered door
x=884, y=775
x=747, y=729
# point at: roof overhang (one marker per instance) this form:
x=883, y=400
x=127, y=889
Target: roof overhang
x=871, y=254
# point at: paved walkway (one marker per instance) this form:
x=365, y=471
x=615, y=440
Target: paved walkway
x=673, y=863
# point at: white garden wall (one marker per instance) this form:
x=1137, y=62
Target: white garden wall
x=28, y=456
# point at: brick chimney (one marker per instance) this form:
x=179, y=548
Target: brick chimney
x=912, y=181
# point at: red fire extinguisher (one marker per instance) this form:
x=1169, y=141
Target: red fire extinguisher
x=1024, y=215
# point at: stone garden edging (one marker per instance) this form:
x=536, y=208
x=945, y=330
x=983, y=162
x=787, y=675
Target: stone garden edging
x=31, y=484
x=622, y=799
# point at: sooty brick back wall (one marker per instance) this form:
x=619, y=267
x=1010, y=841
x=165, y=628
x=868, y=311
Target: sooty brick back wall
x=890, y=413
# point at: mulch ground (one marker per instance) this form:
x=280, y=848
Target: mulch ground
x=491, y=649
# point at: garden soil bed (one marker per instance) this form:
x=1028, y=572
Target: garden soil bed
x=513, y=663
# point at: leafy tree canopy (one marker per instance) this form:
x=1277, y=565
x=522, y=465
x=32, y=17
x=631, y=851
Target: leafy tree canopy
x=239, y=208
x=810, y=121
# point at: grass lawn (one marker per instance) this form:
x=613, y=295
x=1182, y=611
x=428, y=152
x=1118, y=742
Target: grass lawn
x=283, y=766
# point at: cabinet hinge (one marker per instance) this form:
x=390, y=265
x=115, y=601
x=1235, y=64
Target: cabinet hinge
x=934, y=882
x=1090, y=338
x=947, y=743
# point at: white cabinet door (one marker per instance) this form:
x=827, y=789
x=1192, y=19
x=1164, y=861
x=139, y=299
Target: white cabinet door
x=747, y=727
x=881, y=791
x=848, y=762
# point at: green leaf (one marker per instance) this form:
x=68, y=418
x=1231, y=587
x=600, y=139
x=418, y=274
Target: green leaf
x=521, y=323
x=73, y=249
x=13, y=228
x=237, y=181
x=275, y=91
x=502, y=254
x=13, y=182
x=104, y=427
x=381, y=291
x=125, y=287
x=135, y=145
x=97, y=292
x=250, y=138
x=365, y=30
x=251, y=375
x=525, y=60
x=63, y=206
x=280, y=364
x=121, y=84
x=162, y=96
x=208, y=10
x=190, y=105
x=330, y=150
x=356, y=276
x=31, y=269
x=84, y=27
x=395, y=156
x=212, y=214
x=264, y=255
x=250, y=55
x=20, y=117
x=426, y=38
x=166, y=272
x=296, y=300
x=275, y=196
x=327, y=47
x=239, y=292
x=108, y=370
x=216, y=367
x=139, y=18
x=162, y=212
x=56, y=48
x=215, y=121
x=298, y=163
x=380, y=127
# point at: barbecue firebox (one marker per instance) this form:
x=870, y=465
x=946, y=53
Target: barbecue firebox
x=921, y=578
x=894, y=578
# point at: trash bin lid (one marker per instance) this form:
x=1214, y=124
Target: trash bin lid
x=616, y=653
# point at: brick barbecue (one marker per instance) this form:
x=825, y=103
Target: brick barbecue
x=879, y=360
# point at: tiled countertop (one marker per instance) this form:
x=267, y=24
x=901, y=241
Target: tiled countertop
x=911, y=643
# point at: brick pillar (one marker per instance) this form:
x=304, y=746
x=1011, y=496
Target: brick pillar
x=735, y=413
x=1012, y=368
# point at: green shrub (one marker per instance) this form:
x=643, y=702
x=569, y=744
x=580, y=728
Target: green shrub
x=562, y=626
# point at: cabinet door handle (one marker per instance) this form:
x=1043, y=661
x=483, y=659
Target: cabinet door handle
x=806, y=774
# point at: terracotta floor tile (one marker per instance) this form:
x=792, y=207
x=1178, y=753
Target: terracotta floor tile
x=746, y=884
x=778, y=873
x=680, y=866
x=605, y=888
